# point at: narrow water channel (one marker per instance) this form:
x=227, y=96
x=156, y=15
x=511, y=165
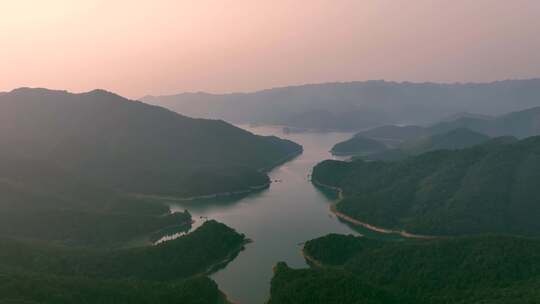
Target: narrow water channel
x=278, y=219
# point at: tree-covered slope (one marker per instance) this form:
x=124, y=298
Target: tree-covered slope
x=456, y=132
x=489, y=188
x=314, y=286
x=186, y=256
x=452, y=140
x=483, y=269
x=75, y=168
x=520, y=124
x=132, y=146
x=41, y=200
x=169, y=272
x=20, y=287
x=395, y=134
x=358, y=145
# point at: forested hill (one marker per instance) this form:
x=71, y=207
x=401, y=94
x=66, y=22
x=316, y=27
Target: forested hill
x=489, y=188
x=132, y=146
x=453, y=140
x=458, y=131
x=358, y=145
x=520, y=124
x=483, y=269
x=172, y=272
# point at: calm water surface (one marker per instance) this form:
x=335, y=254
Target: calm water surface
x=278, y=219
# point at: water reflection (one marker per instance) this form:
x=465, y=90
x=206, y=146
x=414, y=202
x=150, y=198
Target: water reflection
x=278, y=219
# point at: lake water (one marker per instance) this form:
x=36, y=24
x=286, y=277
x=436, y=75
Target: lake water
x=278, y=219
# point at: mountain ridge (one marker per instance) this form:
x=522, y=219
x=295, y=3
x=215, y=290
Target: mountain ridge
x=352, y=106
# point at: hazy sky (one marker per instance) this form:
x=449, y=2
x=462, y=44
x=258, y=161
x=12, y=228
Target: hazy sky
x=168, y=46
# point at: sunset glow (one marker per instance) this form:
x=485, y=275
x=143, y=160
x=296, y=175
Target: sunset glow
x=163, y=46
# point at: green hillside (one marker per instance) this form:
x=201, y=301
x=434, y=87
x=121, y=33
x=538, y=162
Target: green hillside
x=452, y=140
x=74, y=168
x=134, y=147
x=169, y=272
x=484, y=269
x=489, y=188
x=358, y=145
x=520, y=124
x=395, y=134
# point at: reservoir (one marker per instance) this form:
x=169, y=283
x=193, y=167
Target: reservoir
x=278, y=220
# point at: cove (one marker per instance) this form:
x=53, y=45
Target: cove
x=278, y=219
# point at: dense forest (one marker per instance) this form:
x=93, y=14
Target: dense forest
x=358, y=145
x=481, y=269
x=80, y=169
x=110, y=141
x=519, y=124
x=452, y=140
x=390, y=149
x=456, y=132
x=168, y=272
x=489, y=188
x=78, y=176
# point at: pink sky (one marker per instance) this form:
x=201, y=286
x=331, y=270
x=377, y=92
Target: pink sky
x=157, y=47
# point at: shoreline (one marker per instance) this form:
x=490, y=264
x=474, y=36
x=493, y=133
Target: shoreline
x=201, y=197
x=248, y=190
x=351, y=220
x=214, y=267
x=282, y=160
x=311, y=259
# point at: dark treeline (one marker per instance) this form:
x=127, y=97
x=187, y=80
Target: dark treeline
x=482, y=269
x=489, y=188
x=167, y=272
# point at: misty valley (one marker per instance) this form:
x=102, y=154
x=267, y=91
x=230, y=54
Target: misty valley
x=270, y=152
x=105, y=199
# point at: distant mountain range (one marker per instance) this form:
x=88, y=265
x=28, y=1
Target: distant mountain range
x=357, y=105
x=464, y=131
x=452, y=140
x=520, y=124
x=358, y=145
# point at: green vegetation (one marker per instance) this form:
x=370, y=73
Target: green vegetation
x=358, y=145
x=312, y=286
x=76, y=223
x=75, y=168
x=41, y=201
x=395, y=134
x=489, y=188
x=453, y=140
x=31, y=288
x=460, y=131
x=483, y=269
x=166, y=271
x=519, y=124
x=106, y=140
